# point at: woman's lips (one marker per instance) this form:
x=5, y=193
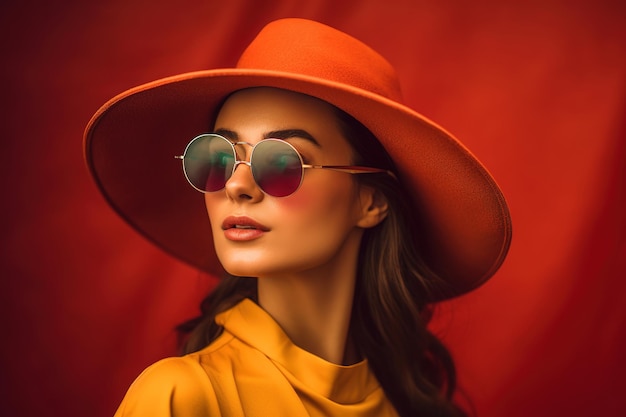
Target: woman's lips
x=241, y=228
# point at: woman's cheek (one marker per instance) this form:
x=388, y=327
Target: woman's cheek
x=299, y=200
x=320, y=193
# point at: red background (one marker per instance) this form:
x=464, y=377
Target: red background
x=535, y=89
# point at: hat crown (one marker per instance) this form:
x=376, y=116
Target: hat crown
x=311, y=49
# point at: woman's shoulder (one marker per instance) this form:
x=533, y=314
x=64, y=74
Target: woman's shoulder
x=179, y=371
x=176, y=386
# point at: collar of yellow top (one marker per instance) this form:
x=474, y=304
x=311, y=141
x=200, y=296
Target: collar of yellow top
x=249, y=323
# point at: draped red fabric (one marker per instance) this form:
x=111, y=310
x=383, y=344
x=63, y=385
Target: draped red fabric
x=536, y=89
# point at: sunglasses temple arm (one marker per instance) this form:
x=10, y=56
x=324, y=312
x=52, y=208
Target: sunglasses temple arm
x=352, y=169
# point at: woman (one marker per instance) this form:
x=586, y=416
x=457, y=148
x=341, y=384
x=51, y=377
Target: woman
x=353, y=215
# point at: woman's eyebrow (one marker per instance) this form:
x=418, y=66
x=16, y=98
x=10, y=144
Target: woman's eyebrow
x=291, y=133
x=275, y=134
x=228, y=134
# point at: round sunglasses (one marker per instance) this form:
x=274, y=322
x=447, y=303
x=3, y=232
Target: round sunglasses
x=209, y=161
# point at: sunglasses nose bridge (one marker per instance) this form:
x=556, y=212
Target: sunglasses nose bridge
x=242, y=184
x=240, y=162
x=248, y=150
x=243, y=151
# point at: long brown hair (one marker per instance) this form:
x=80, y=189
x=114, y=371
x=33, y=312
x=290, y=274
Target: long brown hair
x=394, y=294
x=393, y=298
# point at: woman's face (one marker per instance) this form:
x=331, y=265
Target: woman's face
x=310, y=230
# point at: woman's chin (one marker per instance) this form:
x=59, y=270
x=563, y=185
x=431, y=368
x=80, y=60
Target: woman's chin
x=240, y=271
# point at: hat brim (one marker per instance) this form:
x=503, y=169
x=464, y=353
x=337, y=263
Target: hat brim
x=131, y=141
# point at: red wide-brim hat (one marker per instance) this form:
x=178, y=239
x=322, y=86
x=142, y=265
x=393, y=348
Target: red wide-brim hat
x=131, y=141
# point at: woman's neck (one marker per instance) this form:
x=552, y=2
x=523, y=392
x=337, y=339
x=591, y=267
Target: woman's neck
x=314, y=308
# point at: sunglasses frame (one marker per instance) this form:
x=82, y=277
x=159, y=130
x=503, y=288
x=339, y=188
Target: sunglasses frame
x=350, y=169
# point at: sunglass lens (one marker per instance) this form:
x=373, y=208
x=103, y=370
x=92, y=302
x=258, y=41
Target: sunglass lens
x=276, y=167
x=209, y=162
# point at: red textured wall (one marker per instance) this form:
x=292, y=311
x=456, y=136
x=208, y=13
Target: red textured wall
x=536, y=89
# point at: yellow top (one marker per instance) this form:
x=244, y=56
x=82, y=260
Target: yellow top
x=254, y=370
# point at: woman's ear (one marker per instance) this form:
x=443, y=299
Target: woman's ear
x=374, y=207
